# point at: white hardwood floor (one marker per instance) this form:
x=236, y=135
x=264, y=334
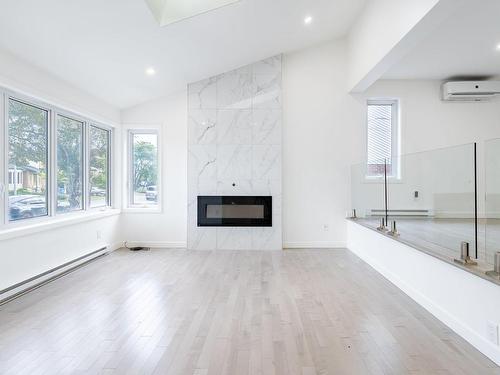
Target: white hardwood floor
x=228, y=312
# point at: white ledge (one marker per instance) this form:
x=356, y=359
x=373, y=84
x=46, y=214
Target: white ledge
x=142, y=210
x=56, y=222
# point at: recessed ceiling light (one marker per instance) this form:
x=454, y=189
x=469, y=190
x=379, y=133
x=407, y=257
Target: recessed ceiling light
x=150, y=71
x=308, y=20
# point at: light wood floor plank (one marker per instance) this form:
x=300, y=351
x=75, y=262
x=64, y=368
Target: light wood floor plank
x=175, y=312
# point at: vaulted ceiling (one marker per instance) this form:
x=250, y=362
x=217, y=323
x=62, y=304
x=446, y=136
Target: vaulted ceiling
x=105, y=46
x=466, y=44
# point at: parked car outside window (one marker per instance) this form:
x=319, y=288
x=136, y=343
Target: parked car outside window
x=151, y=193
x=29, y=206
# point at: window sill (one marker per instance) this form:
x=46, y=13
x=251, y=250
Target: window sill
x=56, y=222
x=142, y=210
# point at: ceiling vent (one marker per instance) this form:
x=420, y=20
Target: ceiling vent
x=170, y=11
x=470, y=91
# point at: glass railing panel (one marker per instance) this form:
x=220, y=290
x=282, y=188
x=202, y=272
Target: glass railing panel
x=431, y=196
x=490, y=221
x=367, y=192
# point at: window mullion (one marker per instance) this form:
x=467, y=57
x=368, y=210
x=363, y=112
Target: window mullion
x=4, y=169
x=86, y=166
x=110, y=169
x=98, y=134
x=52, y=164
x=130, y=169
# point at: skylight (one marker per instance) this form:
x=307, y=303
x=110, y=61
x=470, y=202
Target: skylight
x=170, y=11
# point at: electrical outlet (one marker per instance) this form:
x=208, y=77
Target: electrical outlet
x=492, y=332
x=326, y=228
x=99, y=234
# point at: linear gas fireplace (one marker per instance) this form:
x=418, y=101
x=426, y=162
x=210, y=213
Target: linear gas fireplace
x=235, y=211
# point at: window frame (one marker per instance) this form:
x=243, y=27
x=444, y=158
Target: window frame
x=52, y=192
x=49, y=167
x=109, y=200
x=84, y=156
x=395, y=137
x=129, y=191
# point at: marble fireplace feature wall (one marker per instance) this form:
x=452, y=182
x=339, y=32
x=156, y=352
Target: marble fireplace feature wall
x=234, y=138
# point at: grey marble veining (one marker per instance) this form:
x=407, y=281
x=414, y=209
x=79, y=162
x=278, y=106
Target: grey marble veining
x=234, y=238
x=234, y=127
x=267, y=91
x=266, y=162
x=266, y=126
x=202, y=126
x=235, y=89
x=234, y=136
x=234, y=162
x=202, y=94
x=236, y=187
x=270, y=66
x=202, y=163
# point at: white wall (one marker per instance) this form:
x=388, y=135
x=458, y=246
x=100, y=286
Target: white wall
x=324, y=132
x=320, y=141
x=320, y=137
x=464, y=302
x=429, y=123
x=16, y=74
x=30, y=254
x=168, y=228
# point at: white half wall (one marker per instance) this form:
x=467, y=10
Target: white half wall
x=464, y=302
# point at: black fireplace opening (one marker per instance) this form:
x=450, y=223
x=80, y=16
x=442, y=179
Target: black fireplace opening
x=235, y=211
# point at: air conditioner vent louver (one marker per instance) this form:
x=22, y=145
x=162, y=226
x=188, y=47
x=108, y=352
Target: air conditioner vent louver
x=474, y=93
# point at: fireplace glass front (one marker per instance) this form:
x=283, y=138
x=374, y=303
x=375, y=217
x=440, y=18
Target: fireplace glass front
x=234, y=211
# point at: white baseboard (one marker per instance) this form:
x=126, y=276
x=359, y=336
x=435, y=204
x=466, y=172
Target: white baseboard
x=315, y=245
x=158, y=244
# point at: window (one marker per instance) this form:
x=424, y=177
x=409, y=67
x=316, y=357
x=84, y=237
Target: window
x=143, y=181
x=382, y=138
x=69, y=164
x=55, y=162
x=99, y=167
x=27, y=160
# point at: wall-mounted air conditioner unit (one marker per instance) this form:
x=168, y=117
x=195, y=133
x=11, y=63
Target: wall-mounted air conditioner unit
x=470, y=91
